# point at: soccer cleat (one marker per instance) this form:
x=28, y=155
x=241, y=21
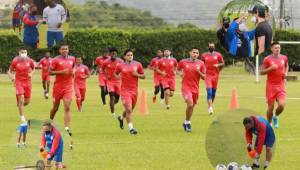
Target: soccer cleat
x=113, y=115
x=46, y=95
x=18, y=145
x=168, y=107
x=188, y=128
x=133, y=132
x=24, y=145
x=265, y=167
x=162, y=101
x=154, y=99
x=121, y=122
x=254, y=166
x=184, y=126
x=276, y=122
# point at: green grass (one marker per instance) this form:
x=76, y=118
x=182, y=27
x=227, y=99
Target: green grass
x=161, y=142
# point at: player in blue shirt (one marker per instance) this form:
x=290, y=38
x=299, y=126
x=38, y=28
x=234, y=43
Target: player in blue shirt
x=53, y=143
x=260, y=127
x=22, y=133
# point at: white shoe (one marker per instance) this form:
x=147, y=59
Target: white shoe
x=210, y=110
x=23, y=119
x=168, y=107
x=113, y=115
x=162, y=101
x=18, y=145
x=24, y=145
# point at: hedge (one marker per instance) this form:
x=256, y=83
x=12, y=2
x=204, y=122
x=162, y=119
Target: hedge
x=89, y=43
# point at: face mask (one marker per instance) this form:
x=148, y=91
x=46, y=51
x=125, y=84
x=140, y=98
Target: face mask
x=253, y=19
x=243, y=27
x=23, y=55
x=211, y=49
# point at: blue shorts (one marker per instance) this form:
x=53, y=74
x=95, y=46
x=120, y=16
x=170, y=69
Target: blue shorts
x=22, y=129
x=54, y=36
x=16, y=22
x=57, y=157
x=270, y=138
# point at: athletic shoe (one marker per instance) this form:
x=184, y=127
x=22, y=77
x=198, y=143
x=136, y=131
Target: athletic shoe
x=46, y=95
x=265, y=167
x=113, y=115
x=24, y=145
x=168, y=107
x=18, y=145
x=188, y=128
x=276, y=122
x=133, y=132
x=121, y=122
x=254, y=166
x=162, y=101
x=210, y=110
x=154, y=99
x=69, y=132
x=184, y=126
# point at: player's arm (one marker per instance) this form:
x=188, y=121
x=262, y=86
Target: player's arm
x=179, y=69
x=87, y=73
x=265, y=69
x=11, y=75
x=32, y=65
x=286, y=68
x=151, y=65
x=53, y=72
x=221, y=63
x=29, y=22
x=139, y=72
x=43, y=143
x=158, y=70
x=261, y=44
x=249, y=140
x=261, y=138
x=117, y=72
x=202, y=71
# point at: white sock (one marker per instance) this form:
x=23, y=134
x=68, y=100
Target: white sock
x=267, y=163
x=187, y=122
x=256, y=161
x=113, y=113
x=23, y=119
x=130, y=126
x=67, y=128
x=121, y=117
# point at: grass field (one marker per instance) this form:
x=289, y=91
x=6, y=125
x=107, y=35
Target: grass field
x=161, y=142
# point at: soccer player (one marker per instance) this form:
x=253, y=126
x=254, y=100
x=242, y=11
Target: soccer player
x=44, y=64
x=214, y=63
x=22, y=134
x=265, y=136
x=156, y=76
x=112, y=82
x=52, y=143
x=82, y=72
x=167, y=68
x=62, y=67
x=54, y=15
x=16, y=17
x=23, y=67
x=275, y=66
x=191, y=70
x=129, y=72
x=101, y=77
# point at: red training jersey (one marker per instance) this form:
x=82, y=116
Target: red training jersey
x=210, y=59
x=109, y=68
x=99, y=62
x=59, y=63
x=276, y=77
x=154, y=64
x=129, y=82
x=44, y=64
x=81, y=71
x=191, y=77
x=168, y=65
x=22, y=67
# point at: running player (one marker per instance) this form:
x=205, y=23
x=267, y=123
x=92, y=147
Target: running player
x=62, y=67
x=265, y=136
x=112, y=82
x=191, y=70
x=101, y=77
x=214, y=63
x=20, y=73
x=82, y=72
x=129, y=72
x=44, y=64
x=53, y=144
x=156, y=76
x=167, y=68
x=276, y=68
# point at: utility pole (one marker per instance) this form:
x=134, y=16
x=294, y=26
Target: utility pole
x=281, y=15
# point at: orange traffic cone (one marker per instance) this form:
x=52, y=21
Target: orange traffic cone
x=44, y=154
x=143, y=107
x=234, y=104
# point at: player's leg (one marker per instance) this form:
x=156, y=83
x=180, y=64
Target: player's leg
x=103, y=94
x=280, y=107
x=112, y=103
x=24, y=139
x=270, y=111
x=54, y=109
x=117, y=89
x=19, y=138
x=82, y=93
x=156, y=91
x=129, y=109
x=67, y=113
x=167, y=97
x=50, y=39
x=58, y=38
x=162, y=94
x=44, y=86
x=20, y=104
x=209, y=92
x=78, y=97
x=188, y=115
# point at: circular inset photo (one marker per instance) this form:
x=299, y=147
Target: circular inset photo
x=240, y=138
x=40, y=23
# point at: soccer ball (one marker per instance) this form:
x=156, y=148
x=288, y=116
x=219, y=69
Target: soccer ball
x=232, y=166
x=221, y=167
x=245, y=167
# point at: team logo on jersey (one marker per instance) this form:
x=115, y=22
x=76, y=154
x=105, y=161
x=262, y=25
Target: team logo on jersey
x=124, y=70
x=282, y=62
x=82, y=70
x=171, y=63
x=215, y=57
x=27, y=64
x=18, y=65
x=134, y=68
x=61, y=63
x=108, y=65
x=186, y=66
x=71, y=62
x=164, y=63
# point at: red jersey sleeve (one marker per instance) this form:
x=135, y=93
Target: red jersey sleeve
x=87, y=71
x=140, y=69
x=220, y=58
x=118, y=69
x=202, y=68
x=32, y=64
x=29, y=22
x=43, y=140
x=175, y=63
x=261, y=137
x=151, y=64
x=203, y=58
x=249, y=136
x=180, y=65
x=266, y=63
x=286, y=61
x=55, y=143
x=13, y=64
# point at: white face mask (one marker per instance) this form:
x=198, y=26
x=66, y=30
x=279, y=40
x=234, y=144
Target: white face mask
x=253, y=19
x=23, y=55
x=243, y=27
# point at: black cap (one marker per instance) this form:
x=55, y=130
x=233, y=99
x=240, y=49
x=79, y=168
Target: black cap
x=259, y=8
